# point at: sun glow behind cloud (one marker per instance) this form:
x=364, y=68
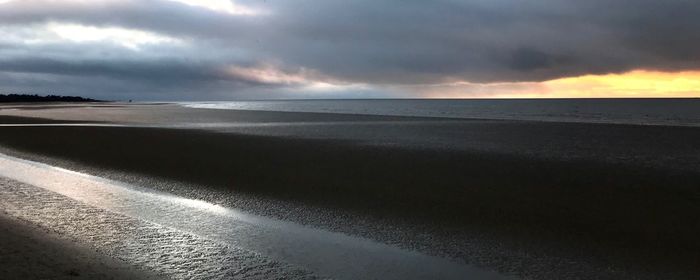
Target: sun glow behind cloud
x=300, y=80
x=224, y=6
x=53, y=33
x=269, y=75
x=638, y=83
x=128, y=38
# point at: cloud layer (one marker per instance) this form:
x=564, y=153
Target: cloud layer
x=217, y=49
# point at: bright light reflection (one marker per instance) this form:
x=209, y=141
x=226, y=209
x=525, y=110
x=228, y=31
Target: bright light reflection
x=197, y=204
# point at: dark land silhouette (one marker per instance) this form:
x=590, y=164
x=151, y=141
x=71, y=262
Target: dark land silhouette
x=7, y=98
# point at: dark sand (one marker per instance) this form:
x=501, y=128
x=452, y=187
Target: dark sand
x=541, y=200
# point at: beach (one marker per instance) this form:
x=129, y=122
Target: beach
x=531, y=199
x=29, y=252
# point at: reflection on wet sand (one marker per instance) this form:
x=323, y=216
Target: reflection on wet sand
x=186, y=232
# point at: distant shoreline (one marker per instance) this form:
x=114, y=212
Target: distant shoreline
x=27, y=98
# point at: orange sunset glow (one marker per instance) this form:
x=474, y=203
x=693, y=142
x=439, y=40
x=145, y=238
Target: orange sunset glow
x=638, y=83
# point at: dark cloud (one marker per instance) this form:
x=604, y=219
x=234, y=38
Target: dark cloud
x=526, y=59
x=364, y=41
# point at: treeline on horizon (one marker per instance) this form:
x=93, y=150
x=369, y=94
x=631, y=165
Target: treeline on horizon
x=44, y=98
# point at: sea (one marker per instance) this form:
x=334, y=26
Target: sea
x=642, y=111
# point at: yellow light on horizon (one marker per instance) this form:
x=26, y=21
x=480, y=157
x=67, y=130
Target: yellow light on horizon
x=637, y=83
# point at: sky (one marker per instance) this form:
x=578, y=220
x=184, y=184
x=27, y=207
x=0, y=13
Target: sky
x=194, y=50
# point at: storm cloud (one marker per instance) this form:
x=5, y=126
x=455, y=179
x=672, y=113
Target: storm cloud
x=215, y=49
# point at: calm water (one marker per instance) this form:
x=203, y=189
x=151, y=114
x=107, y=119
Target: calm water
x=631, y=111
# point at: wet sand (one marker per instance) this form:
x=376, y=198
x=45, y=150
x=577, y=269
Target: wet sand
x=31, y=252
x=132, y=239
x=538, y=200
x=182, y=238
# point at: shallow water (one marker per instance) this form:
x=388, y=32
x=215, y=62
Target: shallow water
x=321, y=252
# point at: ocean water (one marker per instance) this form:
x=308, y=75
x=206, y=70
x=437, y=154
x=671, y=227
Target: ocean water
x=670, y=111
